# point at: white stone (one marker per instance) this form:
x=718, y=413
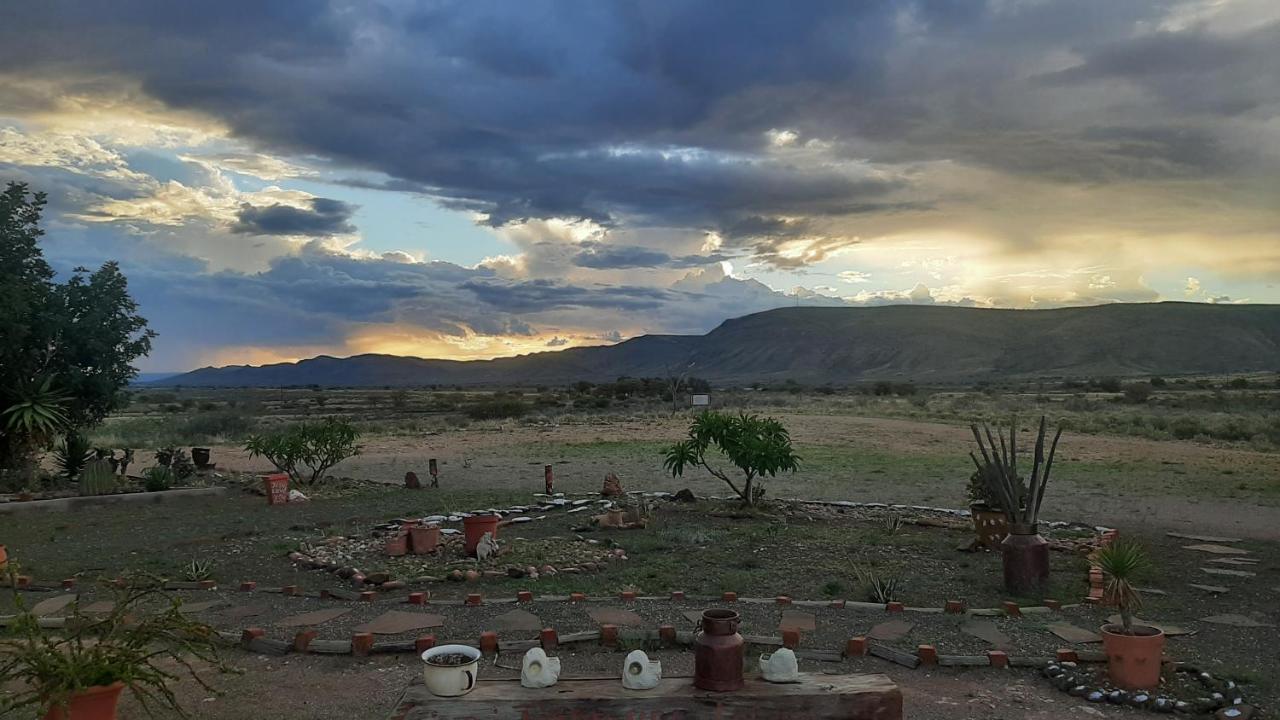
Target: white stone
x=780, y=666
x=640, y=673
x=538, y=670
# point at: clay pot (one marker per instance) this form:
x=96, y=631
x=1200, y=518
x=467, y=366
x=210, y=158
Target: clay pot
x=1133, y=661
x=4, y=557
x=474, y=528
x=200, y=456
x=989, y=524
x=1025, y=557
x=718, y=652
x=95, y=703
x=424, y=540
x=398, y=545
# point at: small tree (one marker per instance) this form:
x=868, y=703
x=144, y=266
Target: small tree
x=756, y=446
x=310, y=447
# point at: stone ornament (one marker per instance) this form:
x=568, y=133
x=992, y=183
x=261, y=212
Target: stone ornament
x=486, y=548
x=639, y=672
x=538, y=670
x=780, y=666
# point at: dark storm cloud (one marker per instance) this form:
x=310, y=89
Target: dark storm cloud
x=599, y=256
x=326, y=217
x=541, y=295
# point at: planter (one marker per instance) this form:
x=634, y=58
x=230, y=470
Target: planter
x=1133, y=661
x=424, y=540
x=200, y=456
x=450, y=680
x=277, y=487
x=4, y=557
x=398, y=544
x=474, y=528
x=989, y=524
x=719, y=652
x=95, y=703
x=1025, y=558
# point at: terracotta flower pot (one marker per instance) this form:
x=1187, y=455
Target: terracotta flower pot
x=424, y=540
x=1025, y=557
x=4, y=557
x=398, y=544
x=990, y=525
x=1133, y=661
x=95, y=703
x=474, y=528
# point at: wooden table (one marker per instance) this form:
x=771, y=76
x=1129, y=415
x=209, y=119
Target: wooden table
x=815, y=697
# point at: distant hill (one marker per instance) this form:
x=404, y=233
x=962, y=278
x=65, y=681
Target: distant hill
x=927, y=344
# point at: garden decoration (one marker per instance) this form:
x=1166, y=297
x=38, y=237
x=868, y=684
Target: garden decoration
x=451, y=670
x=474, y=529
x=990, y=523
x=639, y=672
x=77, y=672
x=780, y=666
x=718, y=652
x=538, y=670
x=1133, y=651
x=1025, y=553
x=487, y=548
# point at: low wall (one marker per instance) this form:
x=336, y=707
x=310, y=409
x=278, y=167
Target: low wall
x=89, y=501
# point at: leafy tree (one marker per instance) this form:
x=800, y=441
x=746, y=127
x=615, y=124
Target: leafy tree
x=66, y=350
x=307, y=450
x=756, y=446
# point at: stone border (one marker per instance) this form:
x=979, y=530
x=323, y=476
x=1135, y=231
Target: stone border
x=1222, y=693
x=78, y=502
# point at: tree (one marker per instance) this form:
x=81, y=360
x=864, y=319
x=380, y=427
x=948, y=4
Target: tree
x=756, y=446
x=313, y=447
x=66, y=350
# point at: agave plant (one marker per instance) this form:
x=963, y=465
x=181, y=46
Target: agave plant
x=880, y=588
x=1121, y=562
x=71, y=454
x=998, y=468
x=39, y=411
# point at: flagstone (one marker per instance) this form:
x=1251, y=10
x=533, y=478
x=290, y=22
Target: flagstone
x=1073, y=634
x=99, y=607
x=1210, y=588
x=52, y=605
x=1204, y=538
x=1230, y=573
x=1216, y=549
x=516, y=620
x=394, y=622
x=315, y=617
x=239, y=612
x=1234, y=561
x=891, y=630
x=199, y=607
x=1235, y=620
x=1169, y=630
x=986, y=630
x=797, y=620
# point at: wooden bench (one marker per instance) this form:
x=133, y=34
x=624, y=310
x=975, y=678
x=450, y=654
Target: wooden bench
x=815, y=697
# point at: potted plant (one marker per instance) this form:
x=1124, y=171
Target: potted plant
x=990, y=524
x=77, y=670
x=1134, y=652
x=1024, y=553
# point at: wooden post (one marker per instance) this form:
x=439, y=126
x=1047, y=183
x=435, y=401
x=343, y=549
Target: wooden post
x=435, y=472
x=549, y=479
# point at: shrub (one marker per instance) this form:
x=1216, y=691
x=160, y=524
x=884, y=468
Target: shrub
x=756, y=446
x=497, y=409
x=220, y=423
x=157, y=478
x=1137, y=393
x=307, y=450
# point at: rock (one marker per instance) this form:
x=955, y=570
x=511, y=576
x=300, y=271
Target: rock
x=394, y=585
x=471, y=576
x=685, y=496
x=456, y=575
x=612, y=486
x=377, y=578
x=1095, y=696
x=547, y=570
x=411, y=480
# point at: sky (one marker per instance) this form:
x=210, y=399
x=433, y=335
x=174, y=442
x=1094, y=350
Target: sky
x=478, y=179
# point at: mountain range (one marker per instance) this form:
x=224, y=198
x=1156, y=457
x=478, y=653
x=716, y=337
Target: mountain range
x=924, y=344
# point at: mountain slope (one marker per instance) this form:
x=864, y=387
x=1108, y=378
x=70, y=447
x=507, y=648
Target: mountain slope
x=842, y=345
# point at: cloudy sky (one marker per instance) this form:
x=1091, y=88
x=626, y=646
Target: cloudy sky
x=475, y=179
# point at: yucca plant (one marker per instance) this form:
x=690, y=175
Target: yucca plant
x=998, y=468
x=198, y=570
x=1121, y=563
x=879, y=587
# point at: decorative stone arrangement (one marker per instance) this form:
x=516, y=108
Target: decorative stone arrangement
x=1093, y=685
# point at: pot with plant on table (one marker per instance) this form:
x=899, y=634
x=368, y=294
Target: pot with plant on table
x=1134, y=652
x=77, y=671
x=1024, y=553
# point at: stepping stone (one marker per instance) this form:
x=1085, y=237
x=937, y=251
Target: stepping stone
x=1073, y=634
x=891, y=630
x=1234, y=561
x=987, y=630
x=1210, y=588
x=1203, y=538
x=1154, y=591
x=1216, y=549
x=52, y=605
x=693, y=616
x=316, y=617
x=796, y=620
x=394, y=622
x=1169, y=630
x=199, y=607
x=1231, y=573
x=101, y=607
x=240, y=612
x=618, y=616
x=517, y=620
x=1235, y=621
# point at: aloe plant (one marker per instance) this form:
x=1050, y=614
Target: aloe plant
x=1121, y=563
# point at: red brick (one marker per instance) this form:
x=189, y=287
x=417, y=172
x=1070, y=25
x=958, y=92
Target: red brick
x=783, y=600
x=667, y=634
x=856, y=647
x=677, y=594
x=790, y=638
x=928, y=654
x=549, y=639
x=998, y=658
x=248, y=586
x=838, y=604
x=893, y=607
x=627, y=595
x=208, y=584
x=609, y=635
x=368, y=596
x=303, y=639
x=1067, y=655
x=577, y=597
x=251, y=633
x=524, y=596
x=954, y=607
x=68, y=584
x=24, y=581
x=729, y=596
x=417, y=598
x=289, y=590
x=1053, y=604
x=361, y=644
x=489, y=642
x=474, y=599
x=1011, y=609
x=424, y=643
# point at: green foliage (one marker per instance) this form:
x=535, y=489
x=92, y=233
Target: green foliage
x=157, y=478
x=1137, y=393
x=756, y=446
x=71, y=454
x=84, y=332
x=1122, y=563
x=878, y=586
x=197, y=570
x=97, y=478
x=132, y=644
x=307, y=450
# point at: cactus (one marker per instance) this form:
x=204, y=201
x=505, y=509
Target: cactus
x=97, y=478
